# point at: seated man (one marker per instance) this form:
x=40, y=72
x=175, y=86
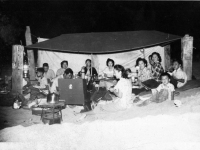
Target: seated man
x=48, y=73
x=35, y=91
x=68, y=74
x=179, y=77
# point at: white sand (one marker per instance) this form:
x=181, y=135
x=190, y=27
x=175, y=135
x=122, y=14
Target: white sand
x=156, y=126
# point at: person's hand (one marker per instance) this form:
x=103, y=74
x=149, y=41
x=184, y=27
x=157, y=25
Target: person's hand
x=175, y=78
x=105, y=75
x=111, y=89
x=83, y=67
x=114, y=82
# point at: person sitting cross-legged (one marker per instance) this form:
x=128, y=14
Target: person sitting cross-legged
x=122, y=91
x=165, y=91
x=37, y=90
x=179, y=77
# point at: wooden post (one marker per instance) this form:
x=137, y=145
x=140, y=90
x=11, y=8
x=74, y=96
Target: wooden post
x=187, y=52
x=17, y=68
x=30, y=54
x=167, y=56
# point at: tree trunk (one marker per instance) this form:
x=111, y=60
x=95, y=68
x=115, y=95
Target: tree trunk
x=30, y=54
x=17, y=68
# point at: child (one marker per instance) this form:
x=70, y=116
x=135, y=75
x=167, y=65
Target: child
x=179, y=77
x=165, y=91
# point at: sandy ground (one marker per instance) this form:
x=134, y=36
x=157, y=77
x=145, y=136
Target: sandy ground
x=156, y=126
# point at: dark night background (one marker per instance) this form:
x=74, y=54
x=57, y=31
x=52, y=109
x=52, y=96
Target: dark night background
x=48, y=19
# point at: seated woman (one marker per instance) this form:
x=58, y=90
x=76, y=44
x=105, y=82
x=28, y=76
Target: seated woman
x=179, y=77
x=143, y=74
x=122, y=91
x=156, y=71
x=64, y=66
x=157, y=68
x=108, y=72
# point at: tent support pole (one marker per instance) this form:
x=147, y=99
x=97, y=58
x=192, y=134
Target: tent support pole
x=30, y=54
x=17, y=68
x=187, y=52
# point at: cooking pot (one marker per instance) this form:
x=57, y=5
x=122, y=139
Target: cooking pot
x=52, y=98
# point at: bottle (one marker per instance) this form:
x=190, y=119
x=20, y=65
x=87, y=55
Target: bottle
x=83, y=73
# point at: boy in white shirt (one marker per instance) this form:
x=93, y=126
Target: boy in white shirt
x=179, y=76
x=165, y=91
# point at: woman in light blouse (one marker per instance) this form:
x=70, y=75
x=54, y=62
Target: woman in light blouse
x=108, y=72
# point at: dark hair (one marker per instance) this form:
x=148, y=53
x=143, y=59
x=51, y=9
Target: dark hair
x=108, y=60
x=121, y=68
x=150, y=56
x=68, y=70
x=165, y=74
x=141, y=59
x=128, y=70
x=65, y=61
x=159, y=57
x=40, y=70
x=45, y=65
x=179, y=61
x=88, y=60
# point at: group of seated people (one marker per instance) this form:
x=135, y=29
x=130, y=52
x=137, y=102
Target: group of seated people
x=162, y=84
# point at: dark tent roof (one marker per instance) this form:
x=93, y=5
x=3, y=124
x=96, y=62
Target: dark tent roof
x=105, y=42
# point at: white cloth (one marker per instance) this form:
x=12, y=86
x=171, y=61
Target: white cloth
x=76, y=61
x=180, y=74
x=55, y=84
x=49, y=74
x=108, y=72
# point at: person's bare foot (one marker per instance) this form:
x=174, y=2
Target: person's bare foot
x=137, y=99
x=145, y=103
x=81, y=118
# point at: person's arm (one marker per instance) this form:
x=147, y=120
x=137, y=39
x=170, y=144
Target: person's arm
x=53, y=75
x=95, y=71
x=57, y=72
x=181, y=80
x=118, y=93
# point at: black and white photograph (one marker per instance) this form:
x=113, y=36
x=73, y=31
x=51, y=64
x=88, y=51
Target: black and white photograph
x=99, y=75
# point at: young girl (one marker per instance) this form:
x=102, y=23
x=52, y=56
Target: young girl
x=165, y=91
x=157, y=68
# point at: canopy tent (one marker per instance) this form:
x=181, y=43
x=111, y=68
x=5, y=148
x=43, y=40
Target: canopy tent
x=105, y=42
x=123, y=47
